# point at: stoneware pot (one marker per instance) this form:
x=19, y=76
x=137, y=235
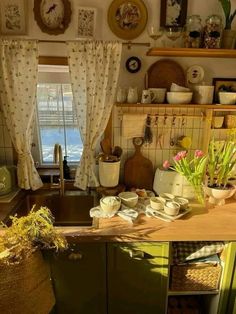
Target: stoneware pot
x=218, y=196
x=228, y=39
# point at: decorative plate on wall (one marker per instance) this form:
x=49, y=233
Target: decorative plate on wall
x=52, y=16
x=127, y=19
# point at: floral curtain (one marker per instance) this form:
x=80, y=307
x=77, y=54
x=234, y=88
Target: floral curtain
x=18, y=85
x=94, y=70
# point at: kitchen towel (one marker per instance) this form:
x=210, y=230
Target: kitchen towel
x=133, y=125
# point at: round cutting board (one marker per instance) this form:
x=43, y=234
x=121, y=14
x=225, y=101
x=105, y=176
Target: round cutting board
x=163, y=73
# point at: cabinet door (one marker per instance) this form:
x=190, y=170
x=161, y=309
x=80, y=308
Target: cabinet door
x=79, y=279
x=137, y=278
x=227, y=303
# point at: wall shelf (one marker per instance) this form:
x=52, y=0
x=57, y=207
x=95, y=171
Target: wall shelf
x=214, y=107
x=193, y=52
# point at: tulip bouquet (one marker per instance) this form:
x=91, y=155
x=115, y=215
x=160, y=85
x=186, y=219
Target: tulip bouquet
x=192, y=169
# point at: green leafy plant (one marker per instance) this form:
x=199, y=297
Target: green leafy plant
x=221, y=161
x=29, y=233
x=226, y=6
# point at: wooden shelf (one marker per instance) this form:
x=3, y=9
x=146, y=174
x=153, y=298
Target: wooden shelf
x=192, y=52
x=214, y=107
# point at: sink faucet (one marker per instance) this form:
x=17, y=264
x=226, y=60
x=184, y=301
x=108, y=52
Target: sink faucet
x=58, y=160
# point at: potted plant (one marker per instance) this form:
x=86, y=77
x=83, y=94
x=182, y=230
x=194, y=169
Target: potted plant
x=25, y=284
x=215, y=169
x=229, y=35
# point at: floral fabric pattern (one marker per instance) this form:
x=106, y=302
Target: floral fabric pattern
x=18, y=85
x=94, y=70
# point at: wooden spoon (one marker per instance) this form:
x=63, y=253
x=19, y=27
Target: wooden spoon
x=106, y=146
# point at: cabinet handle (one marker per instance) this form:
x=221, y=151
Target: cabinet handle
x=137, y=254
x=75, y=256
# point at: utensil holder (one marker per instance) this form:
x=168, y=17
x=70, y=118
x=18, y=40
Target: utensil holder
x=109, y=173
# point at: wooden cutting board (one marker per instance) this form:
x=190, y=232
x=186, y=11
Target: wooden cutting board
x=138, y=170
x=163, y=73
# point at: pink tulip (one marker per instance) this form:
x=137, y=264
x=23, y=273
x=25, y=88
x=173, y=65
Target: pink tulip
x=180, y=155
x=166, y=164
x=198, y=153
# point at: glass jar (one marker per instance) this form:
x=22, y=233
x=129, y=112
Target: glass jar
x=193, y=34
x=213, y=32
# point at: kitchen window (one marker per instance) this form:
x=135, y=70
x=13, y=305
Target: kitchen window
x=56, y=120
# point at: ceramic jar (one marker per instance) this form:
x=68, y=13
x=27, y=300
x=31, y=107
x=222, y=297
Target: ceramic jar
x=132, y=97
x=193, y=34
x=213, y=32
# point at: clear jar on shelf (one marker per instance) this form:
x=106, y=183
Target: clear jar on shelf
x=193, y=32
x=213, y=32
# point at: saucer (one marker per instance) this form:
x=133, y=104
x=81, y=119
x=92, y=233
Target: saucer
x=182, y=212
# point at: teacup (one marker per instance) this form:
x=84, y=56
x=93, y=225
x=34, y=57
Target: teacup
x=157, y=95
x=146, y=96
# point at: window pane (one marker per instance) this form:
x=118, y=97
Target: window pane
x=57, y=122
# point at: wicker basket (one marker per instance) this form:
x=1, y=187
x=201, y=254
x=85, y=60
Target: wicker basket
x=192, y=277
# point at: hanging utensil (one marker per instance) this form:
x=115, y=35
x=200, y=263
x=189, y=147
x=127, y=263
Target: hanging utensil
x=148, y=132
x=172, y=142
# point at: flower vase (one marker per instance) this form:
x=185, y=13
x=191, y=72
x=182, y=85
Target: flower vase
x=199, y=194
x=217, y=196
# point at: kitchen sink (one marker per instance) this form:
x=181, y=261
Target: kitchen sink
x=68, y=210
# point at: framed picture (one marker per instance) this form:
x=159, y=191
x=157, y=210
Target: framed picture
x=223, y=84
x=173, y=13
x=127, y=19
x=13, y=17
x=86, y=22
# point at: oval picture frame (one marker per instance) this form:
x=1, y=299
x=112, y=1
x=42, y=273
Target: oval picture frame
x=127, y=19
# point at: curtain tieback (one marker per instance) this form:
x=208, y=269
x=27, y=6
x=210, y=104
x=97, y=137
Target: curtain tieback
x=23, y=155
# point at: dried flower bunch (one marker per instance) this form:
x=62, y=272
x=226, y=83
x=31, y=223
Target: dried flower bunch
x=27, y=234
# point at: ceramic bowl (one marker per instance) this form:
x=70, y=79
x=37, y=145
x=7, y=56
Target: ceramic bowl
x=110, y=204
x=227, y=98
x=171, y=208
x=177, y=88
x=156, y=203
x=164, y=197
x=179, y=97
x=183, y=202
x=129, y=199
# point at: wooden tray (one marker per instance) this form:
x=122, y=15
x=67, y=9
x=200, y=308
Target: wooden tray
x=163, y=73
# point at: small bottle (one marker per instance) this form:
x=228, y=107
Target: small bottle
x=194, y=29
x=213, y=32
x=66, y=169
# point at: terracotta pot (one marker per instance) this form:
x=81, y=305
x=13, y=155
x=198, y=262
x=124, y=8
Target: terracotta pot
x=217, y=196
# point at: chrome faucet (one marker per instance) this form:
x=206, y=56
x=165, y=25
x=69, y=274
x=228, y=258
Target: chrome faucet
x=58, y=160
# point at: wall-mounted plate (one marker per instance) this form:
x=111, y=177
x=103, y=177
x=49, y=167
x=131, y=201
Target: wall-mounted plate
x=195, y=74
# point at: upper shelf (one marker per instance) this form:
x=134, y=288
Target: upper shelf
x=215, y=107
x=193, y=52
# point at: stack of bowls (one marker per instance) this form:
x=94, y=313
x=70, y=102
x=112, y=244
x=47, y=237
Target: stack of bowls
x=179, y=95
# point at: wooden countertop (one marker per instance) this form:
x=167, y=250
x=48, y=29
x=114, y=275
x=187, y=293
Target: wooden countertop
x=201, y=224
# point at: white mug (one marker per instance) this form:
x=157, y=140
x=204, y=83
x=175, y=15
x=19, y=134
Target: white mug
x=132, y=97
x=146, y=97
x=203, y=94
x=157, y=95
x=121, y=95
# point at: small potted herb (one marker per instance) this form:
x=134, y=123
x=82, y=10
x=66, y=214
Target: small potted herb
x=229, y=35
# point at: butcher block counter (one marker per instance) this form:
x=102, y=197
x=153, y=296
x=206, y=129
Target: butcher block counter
x=202, y=223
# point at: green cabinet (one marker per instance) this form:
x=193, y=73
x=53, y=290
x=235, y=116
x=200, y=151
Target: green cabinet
x=227, y=302
x=137, y=277
x=79, y=279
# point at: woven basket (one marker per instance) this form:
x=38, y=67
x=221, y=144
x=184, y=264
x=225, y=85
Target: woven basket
x=195, y=277
x=25, y=288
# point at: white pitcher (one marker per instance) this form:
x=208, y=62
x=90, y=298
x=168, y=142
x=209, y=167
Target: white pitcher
x=132, y=97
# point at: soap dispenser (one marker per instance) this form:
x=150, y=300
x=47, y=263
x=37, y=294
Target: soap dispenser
x=66, y=169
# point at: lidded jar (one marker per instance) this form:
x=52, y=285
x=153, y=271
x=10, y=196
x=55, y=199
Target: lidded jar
x=213, y=32
x=194, y=29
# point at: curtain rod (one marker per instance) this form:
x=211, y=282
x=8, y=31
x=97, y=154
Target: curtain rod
x=128, y=43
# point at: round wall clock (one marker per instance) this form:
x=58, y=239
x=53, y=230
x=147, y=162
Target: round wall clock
x=52, y=16
x=127, y=19
x=133, y=64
